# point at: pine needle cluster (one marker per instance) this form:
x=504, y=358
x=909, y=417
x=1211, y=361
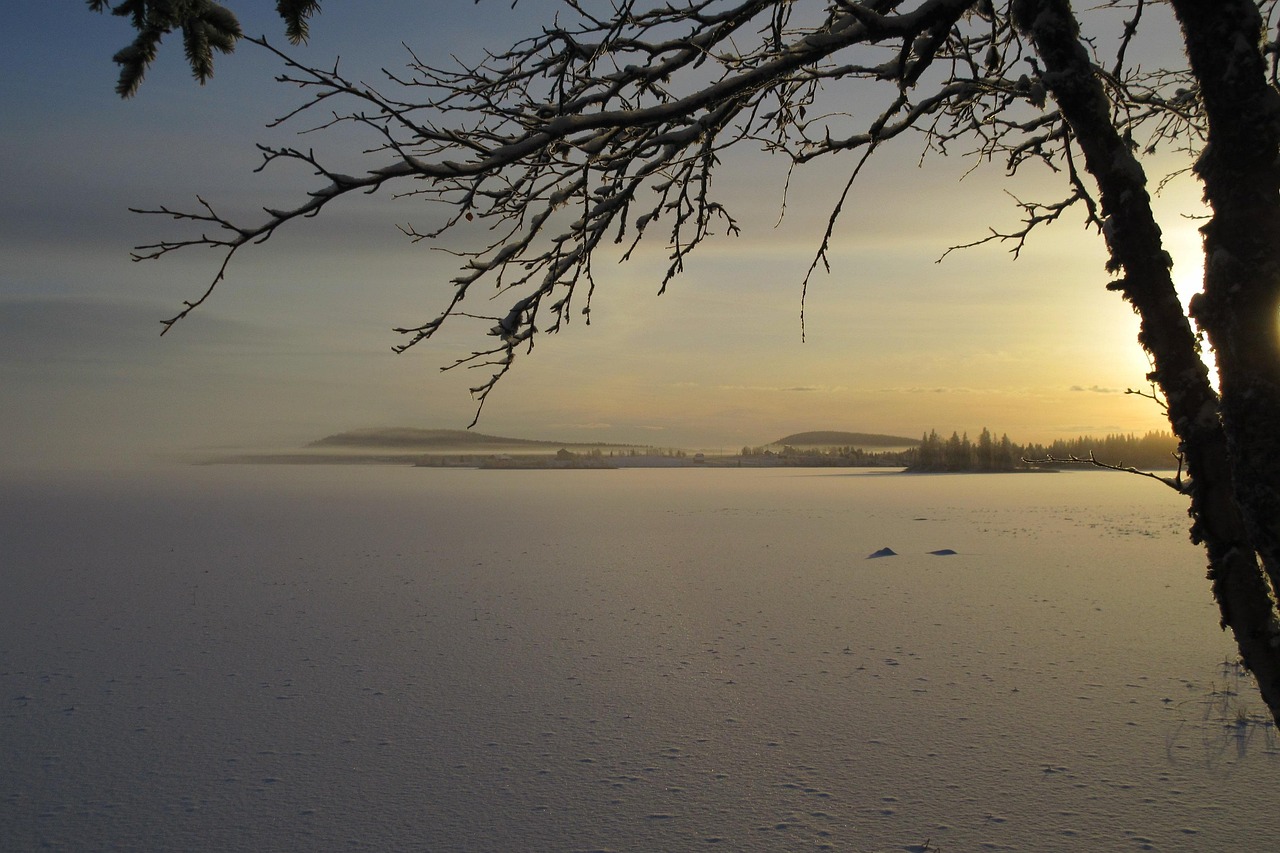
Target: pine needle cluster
x=207, y=27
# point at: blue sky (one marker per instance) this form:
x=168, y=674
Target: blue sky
x=297, y=343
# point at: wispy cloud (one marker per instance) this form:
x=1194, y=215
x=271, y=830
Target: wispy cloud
x=920, y=390
x=784, y=389
x=1097, y=389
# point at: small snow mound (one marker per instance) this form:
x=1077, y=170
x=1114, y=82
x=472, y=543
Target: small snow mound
x=883, y=552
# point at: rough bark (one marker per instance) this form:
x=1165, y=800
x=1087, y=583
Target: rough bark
x=1238, y=307
x=1240, y=587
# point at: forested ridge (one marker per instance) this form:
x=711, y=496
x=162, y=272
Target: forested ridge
x=1156, y=450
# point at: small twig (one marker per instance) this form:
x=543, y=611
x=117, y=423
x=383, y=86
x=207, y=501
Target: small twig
x=1176, y=482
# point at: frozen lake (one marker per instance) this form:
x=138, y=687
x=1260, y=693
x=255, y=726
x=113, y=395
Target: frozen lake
x=337, y=658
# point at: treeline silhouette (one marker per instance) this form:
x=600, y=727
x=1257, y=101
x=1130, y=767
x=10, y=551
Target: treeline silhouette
x=958, y=453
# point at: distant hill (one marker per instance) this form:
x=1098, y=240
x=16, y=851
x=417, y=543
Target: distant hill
x=440, y=440
x=420, y=439
x=831, y=438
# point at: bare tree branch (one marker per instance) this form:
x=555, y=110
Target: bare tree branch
x=1176, y=482
x=603, y=128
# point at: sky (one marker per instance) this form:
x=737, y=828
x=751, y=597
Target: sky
x=297, y=342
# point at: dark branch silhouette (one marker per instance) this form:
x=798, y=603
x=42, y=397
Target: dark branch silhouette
x=608, y=128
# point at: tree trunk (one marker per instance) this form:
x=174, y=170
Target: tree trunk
x=1241, y=298
x=1226, y=513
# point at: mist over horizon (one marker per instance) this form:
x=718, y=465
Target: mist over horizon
x=296, y=342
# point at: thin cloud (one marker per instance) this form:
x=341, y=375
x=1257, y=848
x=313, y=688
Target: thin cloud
x=784, y=389
x=918, y=390
x=1097, y=389
x=101, y=332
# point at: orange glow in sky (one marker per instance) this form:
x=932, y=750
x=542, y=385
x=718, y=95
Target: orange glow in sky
x=296, y=343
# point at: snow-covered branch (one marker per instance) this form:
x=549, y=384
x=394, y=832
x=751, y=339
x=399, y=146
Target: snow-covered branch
x=607, y=129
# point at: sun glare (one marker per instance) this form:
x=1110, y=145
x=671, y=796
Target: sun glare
x=1188, y=279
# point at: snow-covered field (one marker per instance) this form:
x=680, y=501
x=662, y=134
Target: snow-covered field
x=259, y=659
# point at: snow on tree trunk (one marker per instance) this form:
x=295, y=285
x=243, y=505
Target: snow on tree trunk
x=1224, y=500
x=1238, y=307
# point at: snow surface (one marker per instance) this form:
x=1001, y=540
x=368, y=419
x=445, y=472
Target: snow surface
x=252, y=658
